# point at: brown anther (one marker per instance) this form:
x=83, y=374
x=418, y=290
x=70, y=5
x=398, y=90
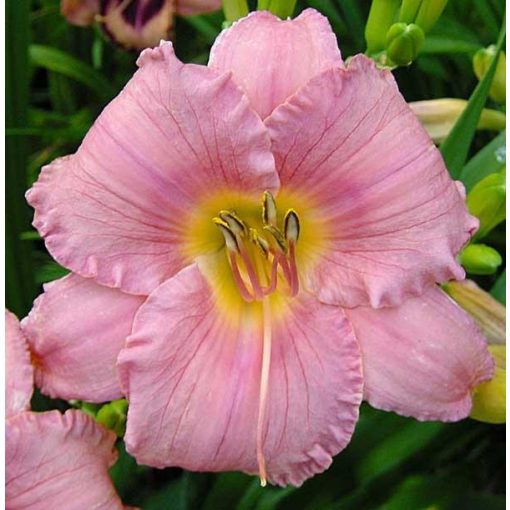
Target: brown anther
x=259, y=241
x=278, y=237
x=235, y=223
x=291, y=226
x=230, y=238
x=269, y=211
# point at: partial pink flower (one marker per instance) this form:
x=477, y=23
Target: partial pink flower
x=73, y=319
x=52, y=460
x=267, y=220
x=134, y=24
x=19, y=374
x=59, y=461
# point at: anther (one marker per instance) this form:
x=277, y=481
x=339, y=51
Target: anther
x=277, y=236
x=269, y=209
x=259, y=241
x=291, y=226
x=236, y=224
x=230, y=238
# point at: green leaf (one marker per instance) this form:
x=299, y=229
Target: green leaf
x=489, y=160
x=203, y=25
x=402, y=444
x=435, y=45
x=499, y=288
x=19, y=274
x=456, y=146
x=61, y=62
x=227, y=491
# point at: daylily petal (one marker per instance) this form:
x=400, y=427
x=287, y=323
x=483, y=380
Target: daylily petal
x=117, y=209
x=190, y=7
x=422, y=358
x=271, y=58
x=19, y=383
x=76, y=329
x=58, y=461
x=394, y=219
x=193, y=372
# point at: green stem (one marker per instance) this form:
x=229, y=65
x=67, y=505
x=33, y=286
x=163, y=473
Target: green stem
x=381, y=17
x=281, y=8
x=235, y=9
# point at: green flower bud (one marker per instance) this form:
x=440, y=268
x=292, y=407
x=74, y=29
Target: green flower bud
x=429, y=13
x=113, y=416
x=489, y=398
x=487, y=201
x=403, y=43
x=482, y=61
x=480, y=259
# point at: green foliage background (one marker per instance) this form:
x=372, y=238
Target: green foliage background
x=59, y=78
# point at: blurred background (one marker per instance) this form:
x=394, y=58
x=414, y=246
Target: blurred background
x=60, y=76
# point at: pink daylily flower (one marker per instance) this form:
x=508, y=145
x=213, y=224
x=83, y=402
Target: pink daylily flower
x=282, y=219
x=134, y=24
x=52, y=460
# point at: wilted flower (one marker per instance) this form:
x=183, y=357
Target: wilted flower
x=52, y=460
x=280, y=218
x=134, y=24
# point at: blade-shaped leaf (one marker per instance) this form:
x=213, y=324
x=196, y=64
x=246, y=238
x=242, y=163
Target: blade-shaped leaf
x=456, y=147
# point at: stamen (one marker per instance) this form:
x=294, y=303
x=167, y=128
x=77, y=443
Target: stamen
x=274, y=278
x=277, y=236
x=252, y=275
x=269, y=216
x=260, y=242
x=230, y=238
x=245, y=293
x=257, y=276
x=235, y=223
x=294, y=278
x=291, y=226
x=264, y=383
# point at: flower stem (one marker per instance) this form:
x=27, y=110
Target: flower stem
x=235, y=9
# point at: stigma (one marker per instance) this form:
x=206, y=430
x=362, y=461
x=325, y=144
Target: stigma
x=262, y=260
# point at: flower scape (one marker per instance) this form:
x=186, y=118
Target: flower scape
x=255, y=247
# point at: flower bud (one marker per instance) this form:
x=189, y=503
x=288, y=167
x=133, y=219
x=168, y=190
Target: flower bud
x=487, y=201
x=80, y=12
x=113, y=416
x=487, y=312
x=489, y=398
x=429, y=13
x=480, y=259
x=438, y=116
x=482, y=61
x=403, y=43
